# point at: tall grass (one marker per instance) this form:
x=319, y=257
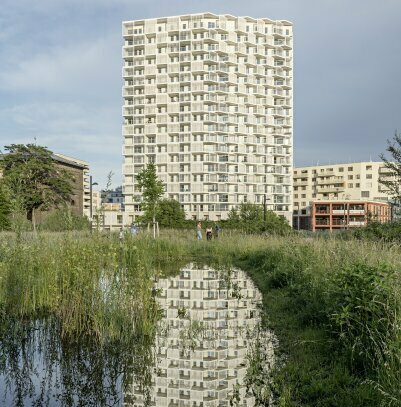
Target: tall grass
x=93, y=284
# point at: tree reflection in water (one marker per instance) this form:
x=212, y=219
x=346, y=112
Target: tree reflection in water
x=40, y=368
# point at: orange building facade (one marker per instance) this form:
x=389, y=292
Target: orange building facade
x=337, y=215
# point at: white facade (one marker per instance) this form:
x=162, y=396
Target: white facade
x=208, y=99
x=209, y=325
x=345, y=182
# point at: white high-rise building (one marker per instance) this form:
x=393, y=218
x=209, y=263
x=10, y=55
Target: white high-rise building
x=208, y=99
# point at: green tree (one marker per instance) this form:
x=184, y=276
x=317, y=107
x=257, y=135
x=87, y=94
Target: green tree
x=152, y=192
x=250, y=217
x=34, y=178
x=392, y=180
x=170, y=213
x=5, y=208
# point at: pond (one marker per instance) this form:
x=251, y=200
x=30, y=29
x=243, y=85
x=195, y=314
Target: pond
x=208, y=351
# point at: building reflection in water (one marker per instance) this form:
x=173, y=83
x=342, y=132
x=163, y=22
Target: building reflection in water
x=210, y=320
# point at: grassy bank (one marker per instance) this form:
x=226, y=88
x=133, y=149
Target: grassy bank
x=334, y=304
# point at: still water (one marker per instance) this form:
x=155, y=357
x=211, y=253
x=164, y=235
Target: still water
x=208, y=351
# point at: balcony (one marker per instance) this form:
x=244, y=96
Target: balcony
x=329, y=190
x=356, y=212
x=356, y=223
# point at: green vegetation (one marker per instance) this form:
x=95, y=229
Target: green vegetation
x=170, y=214
x=64, y=219
x=5, y=208
x=384, y=232
x=152, y=192
x=334, y=304
x=34, y=180
x=392, y=182
x=249, y=218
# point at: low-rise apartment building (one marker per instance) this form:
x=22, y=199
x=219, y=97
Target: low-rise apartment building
x=337, y=215
x=335, y=182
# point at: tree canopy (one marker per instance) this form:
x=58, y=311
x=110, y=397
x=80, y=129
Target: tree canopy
x=250, y=217
x=152, y=191
x=170, y=213
x=392, y=180
x=34, y=178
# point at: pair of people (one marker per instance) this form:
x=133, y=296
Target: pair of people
x=209, y=231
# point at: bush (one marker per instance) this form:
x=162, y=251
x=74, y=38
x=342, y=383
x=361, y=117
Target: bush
x=250, y=218
x=64, y=219
x=387, y=232
x=5, y=209
x=364, y=313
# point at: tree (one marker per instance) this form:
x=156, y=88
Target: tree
x=34, y=179
x=5, y=208
x=152, y=191
x=250, y=217
x=170, y=213
x=392, y=180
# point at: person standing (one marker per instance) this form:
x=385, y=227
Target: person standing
x=216, y=230
x=209, y=233
x=199, y=231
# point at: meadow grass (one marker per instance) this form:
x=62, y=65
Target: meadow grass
x=334, y=304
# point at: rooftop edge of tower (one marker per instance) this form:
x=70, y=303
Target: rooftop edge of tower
x=207, y=15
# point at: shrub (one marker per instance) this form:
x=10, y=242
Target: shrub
x=64, y=219
x=364, y=313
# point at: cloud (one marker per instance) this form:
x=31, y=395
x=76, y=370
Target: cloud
x=67, y=69
x=91, y=134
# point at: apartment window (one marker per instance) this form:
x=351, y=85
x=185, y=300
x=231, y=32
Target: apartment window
x=350, y=185
x=303, y=196
x=350, y=168
x=357, y=185
x=369, y=176
x=365, y=194
x=341, y=169
x=368, y=167
x=350, y=177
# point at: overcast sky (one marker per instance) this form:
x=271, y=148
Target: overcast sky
x=60, y=74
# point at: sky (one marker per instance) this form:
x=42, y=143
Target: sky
x=61, y=64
